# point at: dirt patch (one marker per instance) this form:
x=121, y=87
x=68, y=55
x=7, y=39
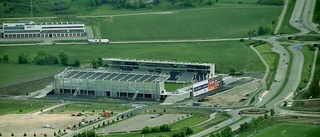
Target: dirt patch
x=141, y=121
x=18, y=124
x=233, y=97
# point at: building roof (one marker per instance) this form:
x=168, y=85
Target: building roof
x=112, y=75
x=157, y=61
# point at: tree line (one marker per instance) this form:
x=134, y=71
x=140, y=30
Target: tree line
x=42, y=58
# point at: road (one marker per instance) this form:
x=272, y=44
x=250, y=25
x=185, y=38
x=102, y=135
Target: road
x=300, y=19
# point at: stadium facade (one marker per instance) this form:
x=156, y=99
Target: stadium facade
x=134, y=79
x=110, y=83
x=31, y=29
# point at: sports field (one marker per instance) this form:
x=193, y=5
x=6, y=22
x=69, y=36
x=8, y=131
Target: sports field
x=226, y=21
x=291, y=130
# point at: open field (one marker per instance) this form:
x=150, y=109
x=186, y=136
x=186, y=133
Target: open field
x=24, y=72
x=32, y=123
x=26, y=106
x=223, y=54
x=291, y=130
x=295, y=127
x=200, y=23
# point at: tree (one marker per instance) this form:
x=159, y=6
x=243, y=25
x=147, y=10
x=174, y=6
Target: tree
x=314, y=88
x=227, y=132
x=189, y=131
x=41, y=58
x=23, y=58
x=146, y=130
x=77, y=63
x=63, y=58
x=12, y=134
x=5, y=58
x=272, y=112
x=51, y=59
x=34, y=134
x=156, y=2
x=265, y=116
x=25, y=134
x=96, y=62
x=262, y=31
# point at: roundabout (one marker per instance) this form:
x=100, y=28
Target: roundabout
x=256, y=111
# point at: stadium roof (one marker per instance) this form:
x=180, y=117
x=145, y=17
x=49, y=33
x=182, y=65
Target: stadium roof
x=112, y=75
x=157, y=61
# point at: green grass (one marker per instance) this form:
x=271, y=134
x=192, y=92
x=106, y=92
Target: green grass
x=16, y=72
x=286, y=28
x=20, y=42
x=173, y=86
x=178, y=125
x=292, y=130
x=272, y=60
x=271, y=129
x=307, y=38
x=224, y=54
x=306, y=71
x=316, y=13
x=198, y=23
x=26, y=106
x=192, y=120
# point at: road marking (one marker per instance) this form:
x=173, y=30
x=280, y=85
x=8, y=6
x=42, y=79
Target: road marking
x=264, y=93
x=288, y=96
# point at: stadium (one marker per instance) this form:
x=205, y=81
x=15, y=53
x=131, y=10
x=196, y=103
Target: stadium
x=31, y=29
x=138, y=79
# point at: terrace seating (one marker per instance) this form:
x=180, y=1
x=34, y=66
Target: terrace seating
x=201, y=76
x=186, y=76
x=174, y=76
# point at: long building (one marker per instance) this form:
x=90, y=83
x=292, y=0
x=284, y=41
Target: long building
x=181, y=72
x=31, y=29
x=110, y=84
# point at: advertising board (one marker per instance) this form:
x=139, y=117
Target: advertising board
x=214, y=83
x=207, y=85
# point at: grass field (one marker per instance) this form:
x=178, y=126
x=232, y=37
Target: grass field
x=199, y=23
x=291, y=130
x=271, y=58
x=26, y=106
x=21, y=72
x=286, y=28
x=227, y=54
x=308, y=59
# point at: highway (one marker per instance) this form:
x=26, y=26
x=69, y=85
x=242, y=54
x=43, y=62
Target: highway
x=300, y=19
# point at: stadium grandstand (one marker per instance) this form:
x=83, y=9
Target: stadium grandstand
x=31, y=29
x=139, y=79
x=179, y=72
x=108, y=83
